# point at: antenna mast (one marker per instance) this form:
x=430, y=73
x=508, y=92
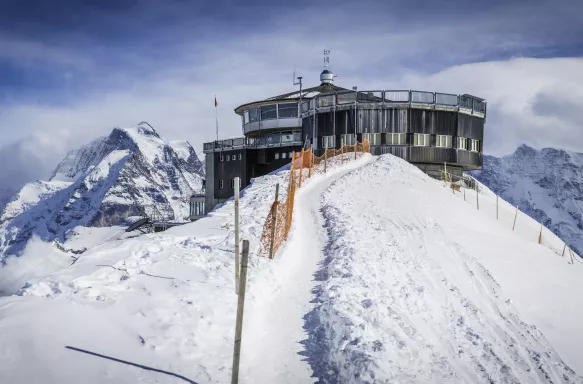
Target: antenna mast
x=300, y=104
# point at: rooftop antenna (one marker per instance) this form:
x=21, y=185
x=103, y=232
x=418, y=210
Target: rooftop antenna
x=300, y=83
x=327, y=77
x=326, y=58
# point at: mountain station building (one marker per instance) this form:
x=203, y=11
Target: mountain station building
x=428, y=129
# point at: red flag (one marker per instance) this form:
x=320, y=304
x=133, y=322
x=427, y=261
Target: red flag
x=215, y=101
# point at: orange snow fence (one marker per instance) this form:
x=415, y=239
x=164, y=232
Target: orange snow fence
x=304, y=165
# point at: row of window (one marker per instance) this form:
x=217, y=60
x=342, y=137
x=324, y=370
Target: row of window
x=222, y=184
x=197, y=208
x=419, y=139
x=283, y=155
x=272, y=111
x=230, y=157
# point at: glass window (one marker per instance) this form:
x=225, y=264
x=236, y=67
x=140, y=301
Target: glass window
x=253, y=114
x=234, y=157
x=475, y=145
x=373, y=138
x=228, y=157
x=276, y=156
x=462, y=143
x=443, y=141
x=396, y=138
x=349, y=139
x=222, y=158
x=283, y=155
x=246, y=117
x=329, y=141
x=240, y=156
x=291, y=154
x=421, y=140
x=221, y=184
x=288, y=110
x=268, y=112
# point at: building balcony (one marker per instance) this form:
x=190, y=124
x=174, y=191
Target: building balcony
x=266, y=141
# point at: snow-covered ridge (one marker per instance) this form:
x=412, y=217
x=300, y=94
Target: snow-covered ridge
x=100, y=184
x=546, y=184
x=419, y=287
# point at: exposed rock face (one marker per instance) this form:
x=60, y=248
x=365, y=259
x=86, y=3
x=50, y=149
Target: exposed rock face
x=101, y=183
x=547, y=185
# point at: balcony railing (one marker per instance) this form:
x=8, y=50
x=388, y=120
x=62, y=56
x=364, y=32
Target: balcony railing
x=467, y=103
x=274, y=140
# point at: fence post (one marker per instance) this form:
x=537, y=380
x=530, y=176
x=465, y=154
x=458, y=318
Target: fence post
x=274, y=225
x=496, y=207
x=464, y=193
x=565, y=247
x=325, y=159
x=237, y=269
x=515, y=216
x=311, y=161
x=477, y=198
x=301, y=167
x=571, y=253
x=540, y=236
x=239, y=321
x=355, y=146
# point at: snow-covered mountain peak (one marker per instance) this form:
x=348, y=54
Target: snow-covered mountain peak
x=102, y=183
x=546, y=184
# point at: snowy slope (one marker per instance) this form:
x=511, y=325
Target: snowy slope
x=386, y=277
x=100, y=184
x=545, y=184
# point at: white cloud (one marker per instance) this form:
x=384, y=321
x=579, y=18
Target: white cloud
x=532, y=101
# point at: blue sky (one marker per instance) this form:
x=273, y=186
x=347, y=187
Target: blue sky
x=71, y=70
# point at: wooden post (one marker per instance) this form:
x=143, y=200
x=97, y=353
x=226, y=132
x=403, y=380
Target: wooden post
x=311, y=161
x=540, y=236
x=565, y=247
x=239, y=321
x=301, y=167
x=464, y=193
x=274, y=225
x=355, y=142
x=571, y=253
x=515, y=216
x=237, y=268
x=496, y=207
x=477, y=198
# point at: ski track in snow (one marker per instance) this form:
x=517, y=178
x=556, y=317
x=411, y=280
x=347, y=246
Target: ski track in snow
x=399, y=301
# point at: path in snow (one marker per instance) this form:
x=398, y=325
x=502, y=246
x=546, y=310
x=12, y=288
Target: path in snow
x=401, y=298
x=274, y=324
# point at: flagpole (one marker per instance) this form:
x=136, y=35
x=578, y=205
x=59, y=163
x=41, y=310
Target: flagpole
x=216, y=118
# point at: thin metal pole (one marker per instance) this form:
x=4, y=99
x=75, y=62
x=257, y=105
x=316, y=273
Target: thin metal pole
x=464, y=194
x=240, y=308
x=496, y=207
x=325, y=158
x=515, y=216
x=237, y=268
x=274, y=221
x=216, y=118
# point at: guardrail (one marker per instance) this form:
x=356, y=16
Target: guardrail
x=274, y=140
x=464, y=102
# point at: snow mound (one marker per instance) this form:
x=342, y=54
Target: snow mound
x=406, y=291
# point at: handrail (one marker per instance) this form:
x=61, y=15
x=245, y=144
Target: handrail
x=397, y=96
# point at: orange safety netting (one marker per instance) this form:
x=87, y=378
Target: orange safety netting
x=303, y=166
